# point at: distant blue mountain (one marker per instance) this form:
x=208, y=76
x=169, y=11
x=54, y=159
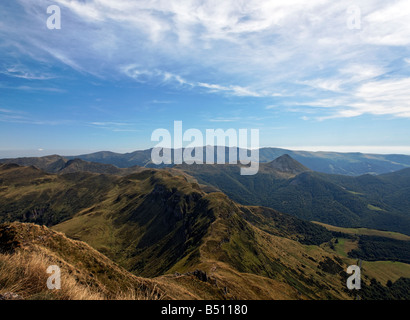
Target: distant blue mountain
x=352, y=164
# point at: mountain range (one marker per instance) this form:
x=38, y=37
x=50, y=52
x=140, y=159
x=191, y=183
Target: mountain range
x=352, y=164
x=327, y=162
x=205, y=231
x=373, y=201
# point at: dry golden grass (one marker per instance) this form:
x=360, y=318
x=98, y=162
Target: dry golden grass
x=24, y=273
x=85, y=273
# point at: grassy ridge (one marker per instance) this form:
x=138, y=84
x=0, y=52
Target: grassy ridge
x=156, y=223
x=192, y=244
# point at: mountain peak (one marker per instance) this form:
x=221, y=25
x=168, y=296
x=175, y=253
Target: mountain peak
x=76, y=165
x=286, y=163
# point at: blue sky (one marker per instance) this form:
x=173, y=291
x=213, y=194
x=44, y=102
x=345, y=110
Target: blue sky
x=118, y=70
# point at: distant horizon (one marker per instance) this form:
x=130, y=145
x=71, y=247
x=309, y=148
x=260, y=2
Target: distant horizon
x=376, y=150
x=303, y=75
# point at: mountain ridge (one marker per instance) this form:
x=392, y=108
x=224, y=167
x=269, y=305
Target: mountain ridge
x=353, y=164
x=286, y=185
x=159, y=224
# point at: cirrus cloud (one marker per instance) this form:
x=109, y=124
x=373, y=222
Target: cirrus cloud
x=291, y=49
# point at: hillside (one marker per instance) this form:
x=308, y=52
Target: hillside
x=51, y=164
x=378, y=202
x=384, y=257
x=160, y=225
x=26, y=251
x=28, y=194
x=61, y=165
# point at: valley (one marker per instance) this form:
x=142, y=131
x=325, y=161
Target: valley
x=176, y=231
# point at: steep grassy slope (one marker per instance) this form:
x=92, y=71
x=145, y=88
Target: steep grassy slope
x=241, y=246
x=270, y=262
x=146, y=215
x=27, y=250
x=28, y=194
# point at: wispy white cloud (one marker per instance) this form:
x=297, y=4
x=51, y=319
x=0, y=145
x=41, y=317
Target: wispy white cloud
x=242, y=48
x=388, y=25
x=166, y=77
x=325, y=84
x=19, y=72
x=389, y=97
x=64, y=59
x=346, y=77
x=115, y=126
x=6, y=110
x=232, y=89
x=384, y=97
